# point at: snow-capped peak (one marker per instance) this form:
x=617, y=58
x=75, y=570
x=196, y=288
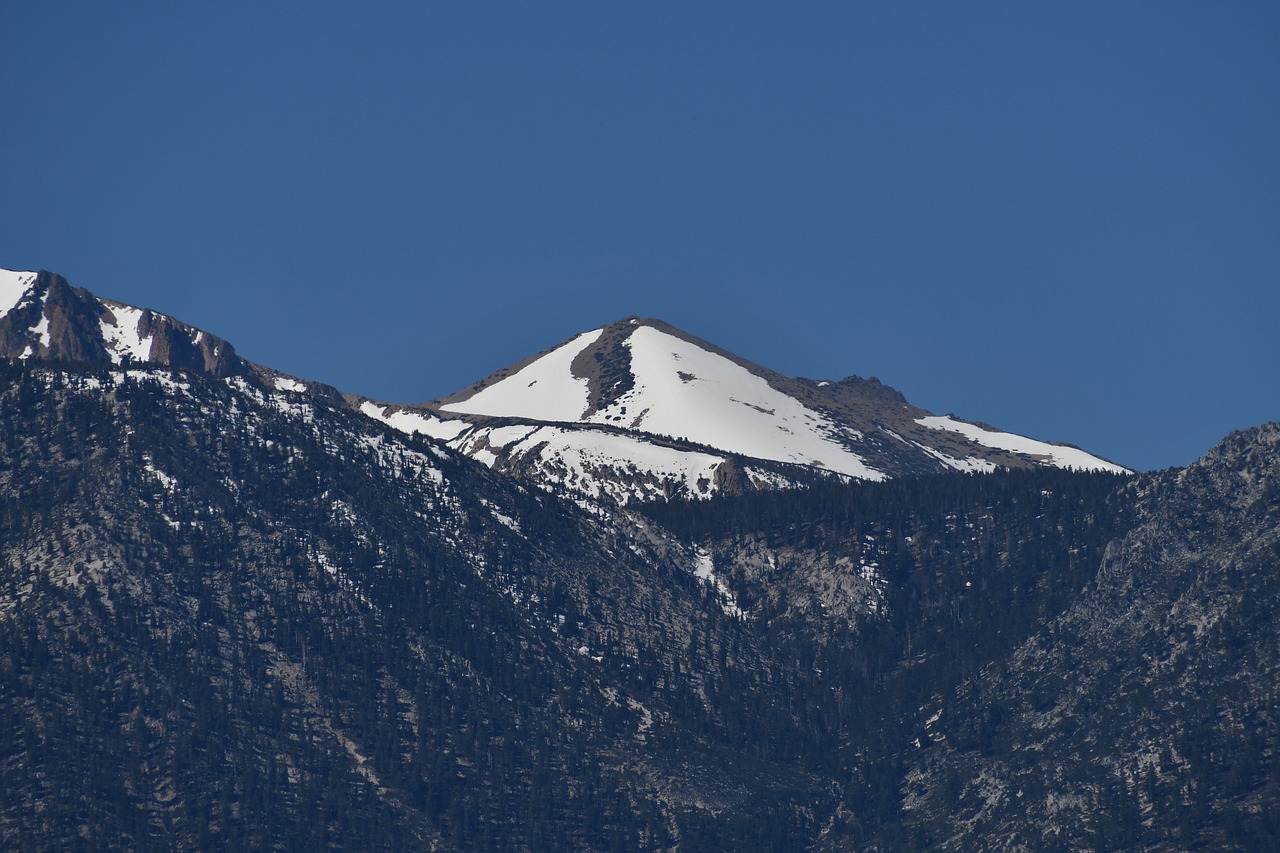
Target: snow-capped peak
x=666, y=384
x=639, y=389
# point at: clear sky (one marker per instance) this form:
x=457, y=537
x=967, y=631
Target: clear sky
x=1061, y=219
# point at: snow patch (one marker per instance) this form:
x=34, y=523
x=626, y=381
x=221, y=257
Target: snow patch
x=1055, y=455
x=416, y=422
x=42, y=329
x=704, y=569
x=122, y=337
x=13, y=286
x=284, y=383
x=598, y=463
x=968, y=464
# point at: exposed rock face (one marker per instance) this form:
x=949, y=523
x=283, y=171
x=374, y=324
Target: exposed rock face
x=57, y=322
x=53, y=320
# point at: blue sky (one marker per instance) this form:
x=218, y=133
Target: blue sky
x=1061, y=219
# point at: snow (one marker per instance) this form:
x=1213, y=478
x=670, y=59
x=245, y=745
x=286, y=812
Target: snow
x=1055, y=455
x=582, y=450
x=284, y=383
x=704, y=570
x=42, y=329
x=122, y=337
x=501, y=517
x=968, y=464
x=544, y=390
x=485, y=457
x=13, y=286
x=502, y=436
x=170, y=483
x=394, y=458
x=767, y=479
x=723, y=405
x=416, y=422
x=588, y=461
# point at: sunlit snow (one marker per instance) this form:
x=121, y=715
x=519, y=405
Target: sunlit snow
x=704, y=568
x=1056, y=455
x=574, y=457
x=684, y=391
x=122, y=337
x=545, y=390
x=13, y=286
x=42, y=329
x=416, y=422
x=968, y=464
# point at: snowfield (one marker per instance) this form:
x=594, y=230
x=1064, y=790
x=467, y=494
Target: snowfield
x=545, y=390
x=1056, y=454
x=683, y=390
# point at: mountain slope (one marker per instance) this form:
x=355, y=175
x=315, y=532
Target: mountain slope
x=238, y=617
x=1147, y=715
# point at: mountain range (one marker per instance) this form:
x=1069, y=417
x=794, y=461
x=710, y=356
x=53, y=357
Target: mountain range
x=635, y=410
x=632, y=593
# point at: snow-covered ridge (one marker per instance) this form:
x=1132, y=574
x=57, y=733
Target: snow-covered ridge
x=1056, y=455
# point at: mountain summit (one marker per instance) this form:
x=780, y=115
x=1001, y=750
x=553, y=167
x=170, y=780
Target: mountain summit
x=44, y=317
x=639, y=409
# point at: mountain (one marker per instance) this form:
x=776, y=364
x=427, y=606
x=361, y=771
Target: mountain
x=638, y=410
x=236, y=611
